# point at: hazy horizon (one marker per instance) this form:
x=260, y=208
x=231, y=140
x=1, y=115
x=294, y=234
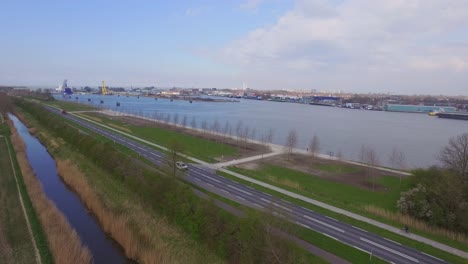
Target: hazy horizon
x=356, y=46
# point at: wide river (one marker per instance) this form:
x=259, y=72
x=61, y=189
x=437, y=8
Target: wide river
x=419, y=136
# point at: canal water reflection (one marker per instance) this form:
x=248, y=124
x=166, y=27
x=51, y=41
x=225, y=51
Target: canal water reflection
x=102, y=247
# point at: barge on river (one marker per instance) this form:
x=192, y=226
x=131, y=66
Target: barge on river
x=461, y=116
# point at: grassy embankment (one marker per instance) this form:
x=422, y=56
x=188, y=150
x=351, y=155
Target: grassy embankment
x=379, y=205
x=204, y=149
x=71, y=106
x=16, y=242
x=139, y=194
x=61, y=239
x=201, y=148
x=310, y=236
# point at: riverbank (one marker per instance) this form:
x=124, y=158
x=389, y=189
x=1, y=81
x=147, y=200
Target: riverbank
x=63, y=241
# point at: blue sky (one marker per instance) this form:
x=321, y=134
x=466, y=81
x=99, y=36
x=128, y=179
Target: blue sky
x=354, y=46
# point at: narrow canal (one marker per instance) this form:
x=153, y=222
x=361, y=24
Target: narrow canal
x=102, y=247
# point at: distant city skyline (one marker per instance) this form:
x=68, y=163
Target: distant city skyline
x=355, y=46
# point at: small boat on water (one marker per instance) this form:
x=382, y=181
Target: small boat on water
x=434, y=113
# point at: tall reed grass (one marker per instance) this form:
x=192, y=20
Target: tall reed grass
x=140, y=240
x=417, y=224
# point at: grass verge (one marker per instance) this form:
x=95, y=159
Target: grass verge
x=390, y=235
x=204, y=149
x=378, y=205
x=16, y=242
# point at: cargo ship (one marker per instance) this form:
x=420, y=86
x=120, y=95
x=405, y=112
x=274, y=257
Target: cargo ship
x=460, y=116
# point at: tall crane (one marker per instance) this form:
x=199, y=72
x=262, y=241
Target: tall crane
x=104, y=89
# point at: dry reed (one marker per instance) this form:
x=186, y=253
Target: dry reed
x=417, y=224
x=64, y=242
x=136, y=242
x=6, y=252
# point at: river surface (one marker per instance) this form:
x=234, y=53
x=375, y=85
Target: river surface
x=103, y=248
x=419, y=136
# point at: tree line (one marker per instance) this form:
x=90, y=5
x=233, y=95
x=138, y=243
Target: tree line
x=439, y=195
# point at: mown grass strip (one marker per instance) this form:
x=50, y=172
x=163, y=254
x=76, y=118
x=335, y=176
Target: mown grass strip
x=36, y=227
x=371, y=228
x=344, y=196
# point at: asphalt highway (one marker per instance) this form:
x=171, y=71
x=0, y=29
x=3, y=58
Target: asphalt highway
x=206, y=178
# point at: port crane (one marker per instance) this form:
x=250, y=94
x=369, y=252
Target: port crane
x=104, y=89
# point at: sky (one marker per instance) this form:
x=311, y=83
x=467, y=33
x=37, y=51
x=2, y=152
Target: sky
x=362, y=46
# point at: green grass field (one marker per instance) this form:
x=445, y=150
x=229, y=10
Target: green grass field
x=339, y=194
x=306, y=235
x=200, y=148
x=71, y=106
x=340, y=168
x=15, y=241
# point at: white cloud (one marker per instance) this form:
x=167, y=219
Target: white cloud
x=331, y=39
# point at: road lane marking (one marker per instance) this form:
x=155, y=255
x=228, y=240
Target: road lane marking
x=283, y=207
x=240, y=197
x=392, y=241
x=325, y=224
x=224, y=191
x=362, y=250
x=256, y=204
x=389, y=249
x=332, y=237
x=215, y=180
x=360, y=229
x=240, y=190
x=432, y=256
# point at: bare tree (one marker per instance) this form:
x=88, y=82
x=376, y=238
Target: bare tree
x=269, y=136
x=339, y=155
x=397, y=160
x=369, y=157
x=226, y=128
x=176, y=119
x=245, y=135
x=373, y=161
x=314, y=146
x=204, y=126
x=454, y=156
x=175, y=148
x=253, y=132
x=168, y=118
x=215, y=127
x=291, y=142
x=193, y=124
x=184, y=121
x=239, y=129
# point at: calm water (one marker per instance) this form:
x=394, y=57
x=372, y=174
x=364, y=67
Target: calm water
x=102, y=248
x=419, y=136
